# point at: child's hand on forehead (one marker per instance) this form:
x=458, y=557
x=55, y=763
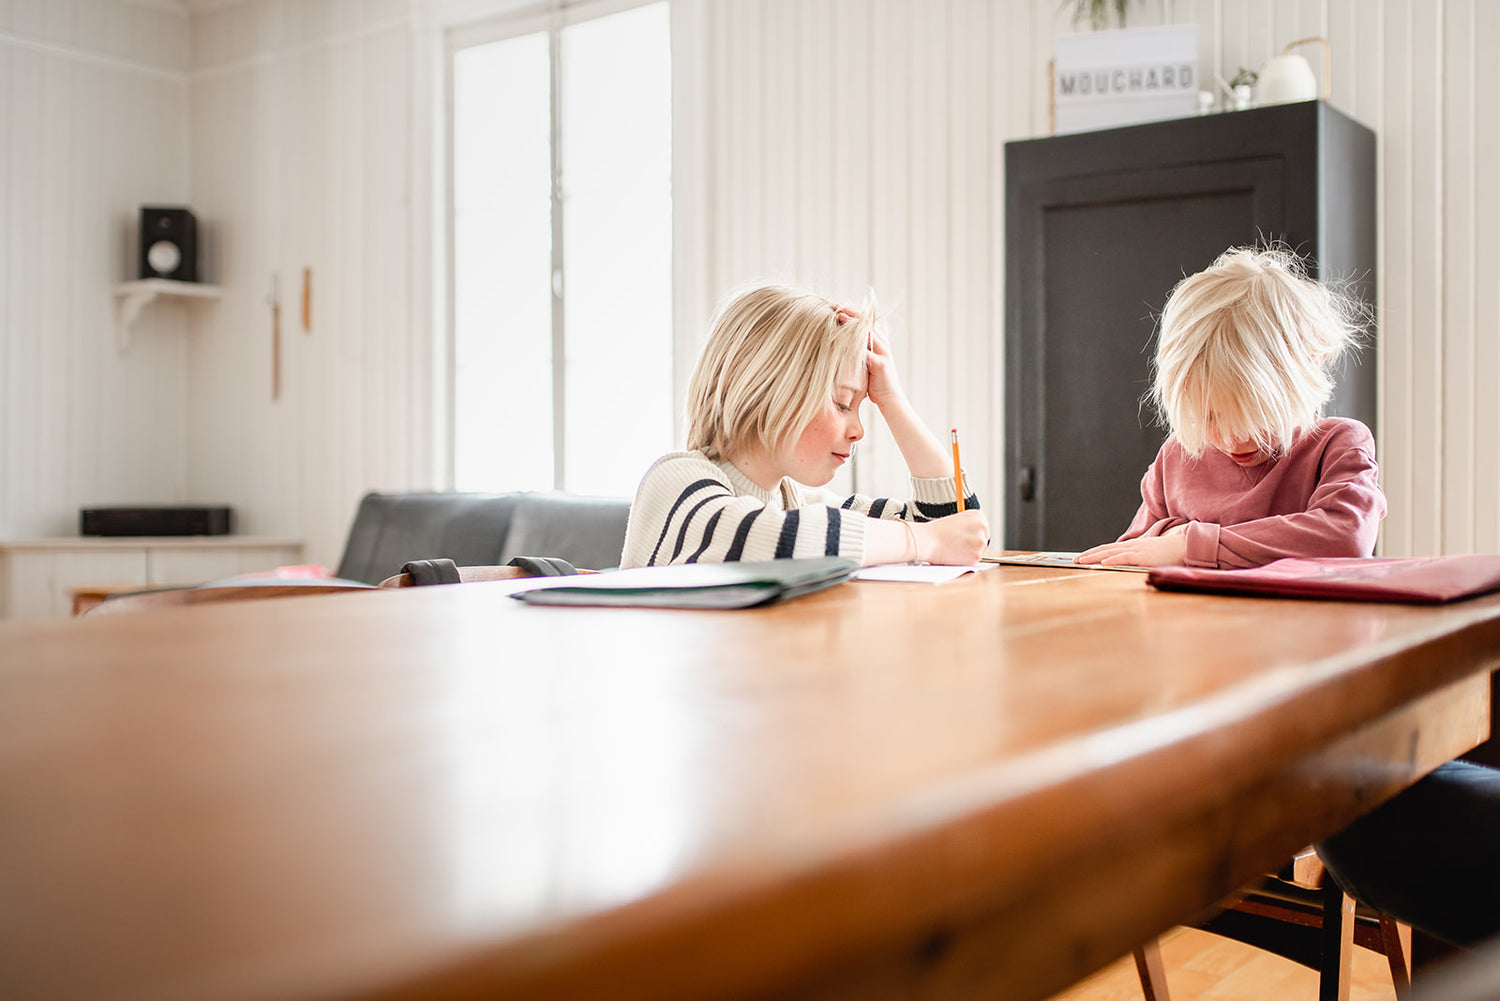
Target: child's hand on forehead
x=879, y=365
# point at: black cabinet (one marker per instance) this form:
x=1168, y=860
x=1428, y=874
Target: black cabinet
x=1099, y=227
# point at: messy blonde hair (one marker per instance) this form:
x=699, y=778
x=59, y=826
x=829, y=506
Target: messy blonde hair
x=772, y=359
x=1246, y=350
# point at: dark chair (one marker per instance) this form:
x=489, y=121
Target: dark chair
x=1301, y=914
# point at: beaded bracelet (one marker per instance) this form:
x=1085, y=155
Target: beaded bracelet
x=916, y=550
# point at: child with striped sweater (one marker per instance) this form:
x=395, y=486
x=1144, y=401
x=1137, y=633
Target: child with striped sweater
x=773, y=414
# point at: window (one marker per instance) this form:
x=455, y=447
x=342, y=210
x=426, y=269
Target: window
x=562, y=292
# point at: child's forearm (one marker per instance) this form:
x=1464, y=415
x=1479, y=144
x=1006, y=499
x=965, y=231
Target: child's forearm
x=956, y=540
x=890, y=541
x=925, y=457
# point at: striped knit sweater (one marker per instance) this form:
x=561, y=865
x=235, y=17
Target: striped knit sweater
x=690, y=509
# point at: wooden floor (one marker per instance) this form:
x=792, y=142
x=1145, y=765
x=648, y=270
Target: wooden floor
x=1204, y=967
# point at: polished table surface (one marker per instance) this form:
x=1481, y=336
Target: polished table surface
x=985, y=788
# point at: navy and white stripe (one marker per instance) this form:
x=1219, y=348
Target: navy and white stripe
x=690, y=509
x=711, y=485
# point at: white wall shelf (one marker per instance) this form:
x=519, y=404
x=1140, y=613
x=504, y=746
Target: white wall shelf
x=132, y=297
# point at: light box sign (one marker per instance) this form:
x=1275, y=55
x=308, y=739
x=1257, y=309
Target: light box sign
x=1102, y=79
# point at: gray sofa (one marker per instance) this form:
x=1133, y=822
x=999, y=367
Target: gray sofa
x=473, y=529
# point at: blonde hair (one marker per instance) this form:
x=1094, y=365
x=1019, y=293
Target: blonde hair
x=772, y=359
x=1246, y=350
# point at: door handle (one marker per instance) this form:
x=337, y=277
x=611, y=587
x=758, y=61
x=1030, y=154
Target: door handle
x=1028, y=483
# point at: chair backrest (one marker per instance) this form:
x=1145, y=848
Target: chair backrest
x=140, y=601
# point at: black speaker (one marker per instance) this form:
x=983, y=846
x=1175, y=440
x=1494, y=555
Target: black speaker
x=155, y=520
x=169, y=244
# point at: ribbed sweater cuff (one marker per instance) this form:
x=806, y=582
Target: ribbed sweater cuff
x=934, y=490
x=1202, y=545
x=852, y=536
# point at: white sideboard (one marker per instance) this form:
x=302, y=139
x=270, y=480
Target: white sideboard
x=37, y=576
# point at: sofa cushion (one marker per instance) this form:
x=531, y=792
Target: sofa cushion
x=476, y=529
x=588, y=532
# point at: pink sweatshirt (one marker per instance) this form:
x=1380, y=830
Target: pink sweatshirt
x=1322, y=498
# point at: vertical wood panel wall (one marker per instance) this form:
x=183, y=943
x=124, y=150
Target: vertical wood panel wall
x=93, y=124
x=304, y=120
x=925, y=93
x=847, y=144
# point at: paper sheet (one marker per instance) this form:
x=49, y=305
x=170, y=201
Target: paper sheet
x=928, y=573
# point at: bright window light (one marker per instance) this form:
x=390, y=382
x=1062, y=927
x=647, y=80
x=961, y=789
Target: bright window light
x=613, y=275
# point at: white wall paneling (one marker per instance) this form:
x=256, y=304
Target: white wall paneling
x=692, y=155
x=843, y=144
x=1483, y=268
x=307, y=128
x=857, y=147
x=1456, y=164
x=93, y=97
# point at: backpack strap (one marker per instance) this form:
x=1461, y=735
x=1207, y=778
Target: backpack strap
x=425, y=572
x=544, y=566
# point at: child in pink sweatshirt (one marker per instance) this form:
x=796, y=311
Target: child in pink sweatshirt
x=1251, y=473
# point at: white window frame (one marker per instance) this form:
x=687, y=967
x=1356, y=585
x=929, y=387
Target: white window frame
x=550, y=17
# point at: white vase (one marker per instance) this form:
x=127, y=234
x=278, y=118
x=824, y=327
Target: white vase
x=1285, y=79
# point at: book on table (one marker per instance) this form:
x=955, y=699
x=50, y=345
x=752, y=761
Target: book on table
x=1427, y=580
x=694, y=585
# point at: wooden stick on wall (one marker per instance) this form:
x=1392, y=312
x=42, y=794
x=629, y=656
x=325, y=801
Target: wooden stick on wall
x=275, y=301
x=307, y=300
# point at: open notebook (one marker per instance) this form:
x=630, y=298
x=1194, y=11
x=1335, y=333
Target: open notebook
x=1427, y=580
x=1049, y=560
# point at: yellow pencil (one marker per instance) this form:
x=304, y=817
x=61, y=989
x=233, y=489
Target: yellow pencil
x=958, y=473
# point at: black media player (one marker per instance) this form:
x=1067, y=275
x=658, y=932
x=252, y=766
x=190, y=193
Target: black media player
x=154, y=520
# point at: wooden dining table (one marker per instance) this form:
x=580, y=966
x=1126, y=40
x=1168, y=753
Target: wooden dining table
x=985, y=788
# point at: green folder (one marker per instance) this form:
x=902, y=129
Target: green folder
x=694, y=585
